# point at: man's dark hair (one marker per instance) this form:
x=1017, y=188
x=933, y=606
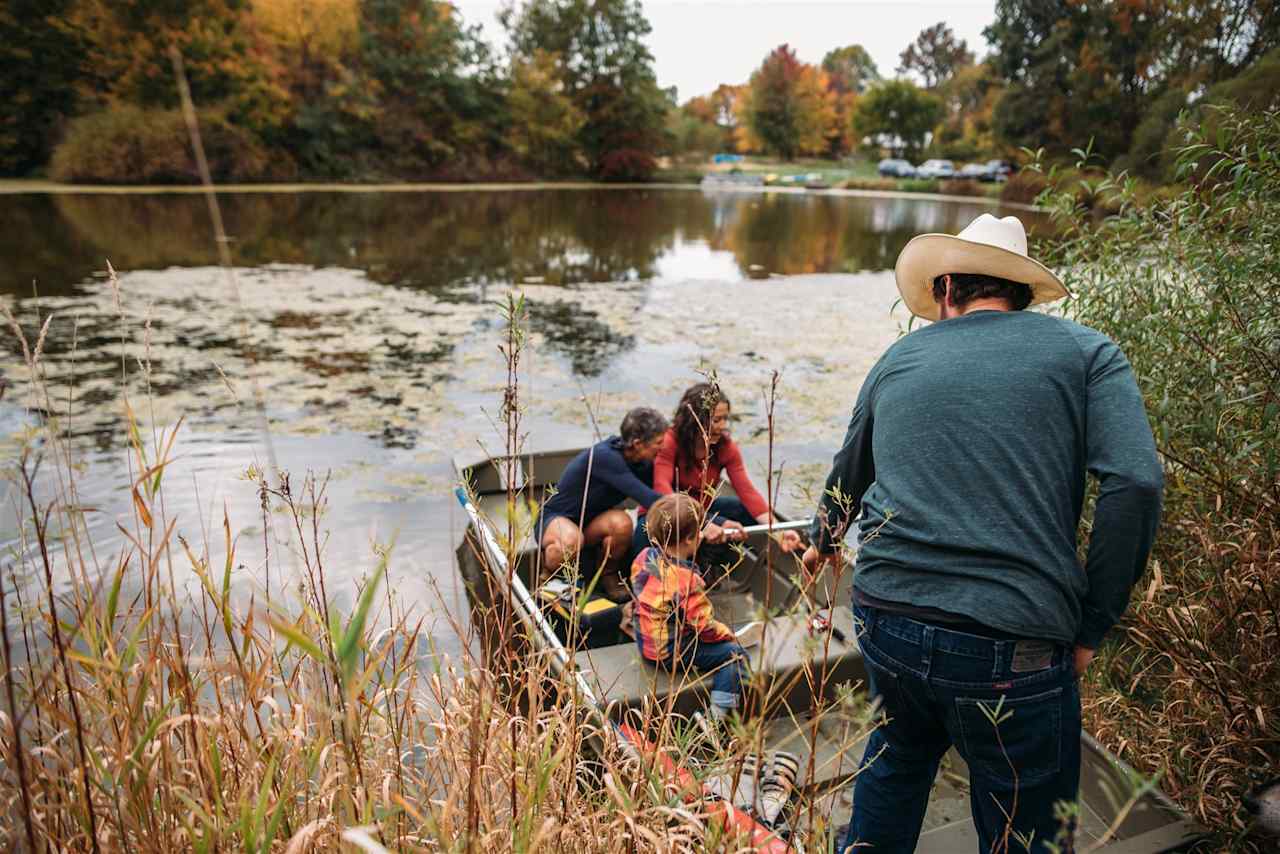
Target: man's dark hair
x=967, y=287
x=642, y=424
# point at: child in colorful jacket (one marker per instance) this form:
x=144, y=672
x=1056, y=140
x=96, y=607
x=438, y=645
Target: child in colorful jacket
x=674, y=621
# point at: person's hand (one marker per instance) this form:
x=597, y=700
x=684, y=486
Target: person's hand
x=1083, y=656
x=712, y=533
x=733, y=531
x=788, y=541
x=814, y=560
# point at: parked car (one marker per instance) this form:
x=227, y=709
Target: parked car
x=997, y=170
x=936, y=169
x=893, y=168
x=972, y=171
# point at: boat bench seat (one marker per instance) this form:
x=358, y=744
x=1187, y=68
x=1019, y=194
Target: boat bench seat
x=623, y=679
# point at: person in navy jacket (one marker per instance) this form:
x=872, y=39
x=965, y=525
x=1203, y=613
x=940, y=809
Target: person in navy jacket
x=584, y=511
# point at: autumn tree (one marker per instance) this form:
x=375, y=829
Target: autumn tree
x=897, y=115
x=788, y=107
x=1210, y=41
x=968, y=131
x=1081, y=71
x=310, y=38
x=129, y=54
x=850, y=71
x=545, y=122
x=42, y=56
x=607, y=72
x=431, y=77
x=935, y=55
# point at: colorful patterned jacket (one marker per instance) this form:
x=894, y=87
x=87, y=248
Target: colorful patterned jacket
x=671, y=608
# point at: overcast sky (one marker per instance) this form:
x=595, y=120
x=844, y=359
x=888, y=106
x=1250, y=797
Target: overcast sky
x=699, y=44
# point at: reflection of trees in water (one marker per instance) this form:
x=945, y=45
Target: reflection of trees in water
x=409, y=239
x=441, y=239
x=793, y=233
x=579, y=334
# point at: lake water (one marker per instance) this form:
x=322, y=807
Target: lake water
x=367, y=322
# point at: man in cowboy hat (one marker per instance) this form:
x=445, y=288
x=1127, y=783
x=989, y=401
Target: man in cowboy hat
x=964, y=465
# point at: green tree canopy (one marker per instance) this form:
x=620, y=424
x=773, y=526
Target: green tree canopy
x=428, y=71
x=935, y=55
x=850, y=68
x=1081, y=71
x=896, y=114
x=607, y=72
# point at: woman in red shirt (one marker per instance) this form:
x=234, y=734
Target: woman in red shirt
x=695, y=452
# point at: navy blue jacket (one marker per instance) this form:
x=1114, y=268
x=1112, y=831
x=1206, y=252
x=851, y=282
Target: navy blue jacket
x=612, y=480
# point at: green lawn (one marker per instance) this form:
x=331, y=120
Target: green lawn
x=831, y=171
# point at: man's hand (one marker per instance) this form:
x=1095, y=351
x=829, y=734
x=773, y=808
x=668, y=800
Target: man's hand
x=788, y=541
x=1083, y=656
x=813, y=560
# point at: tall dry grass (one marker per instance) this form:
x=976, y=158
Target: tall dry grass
x=140, y=715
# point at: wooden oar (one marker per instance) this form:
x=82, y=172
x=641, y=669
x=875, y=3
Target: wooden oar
x=734, y=820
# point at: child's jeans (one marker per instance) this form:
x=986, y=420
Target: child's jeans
x=725, y=661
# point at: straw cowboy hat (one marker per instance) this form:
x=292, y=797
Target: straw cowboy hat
x=996, y=247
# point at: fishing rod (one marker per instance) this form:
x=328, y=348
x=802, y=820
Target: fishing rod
x=633, y=742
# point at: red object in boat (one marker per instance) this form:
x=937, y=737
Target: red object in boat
x=735, y=821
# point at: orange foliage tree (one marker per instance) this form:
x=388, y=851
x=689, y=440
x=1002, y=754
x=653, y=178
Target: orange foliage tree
x=788, y=108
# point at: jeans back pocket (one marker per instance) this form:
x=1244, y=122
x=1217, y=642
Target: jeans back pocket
x=999, y=735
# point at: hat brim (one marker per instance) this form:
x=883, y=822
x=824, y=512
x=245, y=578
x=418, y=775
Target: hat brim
x=928, y=256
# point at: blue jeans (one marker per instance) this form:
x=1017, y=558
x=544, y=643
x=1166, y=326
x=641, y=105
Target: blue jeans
x=725, y=660
x=940, y=688
x=729, y=508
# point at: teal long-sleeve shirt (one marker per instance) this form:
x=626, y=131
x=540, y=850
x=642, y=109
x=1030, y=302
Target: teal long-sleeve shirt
x=965, y=464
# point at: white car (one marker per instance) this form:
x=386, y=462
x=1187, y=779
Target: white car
x=936, y=169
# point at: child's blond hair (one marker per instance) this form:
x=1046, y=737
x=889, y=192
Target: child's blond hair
x=673, y=519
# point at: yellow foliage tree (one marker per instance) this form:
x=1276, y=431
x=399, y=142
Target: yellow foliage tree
x=818, y=120
x=309, y=28
x=545, y=121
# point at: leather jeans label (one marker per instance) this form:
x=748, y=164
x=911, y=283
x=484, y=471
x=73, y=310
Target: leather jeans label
x=1029, y=656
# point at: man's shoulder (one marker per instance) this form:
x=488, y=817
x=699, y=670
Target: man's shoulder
x=1071, y=327
x=1042, y=326
x=1091, y=342
x=609, y=451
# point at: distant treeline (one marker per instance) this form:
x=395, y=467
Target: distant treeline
x=329, y=89
x=1060, y=74
x=407, y=90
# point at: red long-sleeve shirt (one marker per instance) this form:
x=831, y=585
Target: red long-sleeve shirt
x=671, y=472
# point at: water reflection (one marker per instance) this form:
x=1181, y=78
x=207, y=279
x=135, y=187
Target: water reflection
x=444, y=239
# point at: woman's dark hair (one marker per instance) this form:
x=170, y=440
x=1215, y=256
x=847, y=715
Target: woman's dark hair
x=693, y=417
x=967, y=287
x=641, y=425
